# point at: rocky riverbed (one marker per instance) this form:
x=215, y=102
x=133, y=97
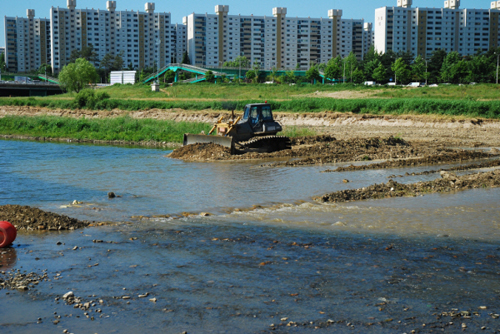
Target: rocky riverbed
x=448, y=182
x=30, y=218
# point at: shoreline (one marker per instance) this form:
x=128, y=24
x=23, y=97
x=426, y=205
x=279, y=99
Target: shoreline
x=154, y=144
x=446, y=130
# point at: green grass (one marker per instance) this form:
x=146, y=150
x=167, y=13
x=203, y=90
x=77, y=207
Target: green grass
x=396, y=106
x=296, y=131
x=207, y=91
x=468, y=101
x=123, y=128
x=455, y=92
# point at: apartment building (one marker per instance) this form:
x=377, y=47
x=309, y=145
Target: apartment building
x=2, y=51
x=141, y=38
x=178, y=40
x=27, y=42
x=273, y=41
x=424, y=30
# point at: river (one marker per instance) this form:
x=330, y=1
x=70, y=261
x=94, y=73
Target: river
x=383, y=266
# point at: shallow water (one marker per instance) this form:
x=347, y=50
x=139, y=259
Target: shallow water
x=385, y=266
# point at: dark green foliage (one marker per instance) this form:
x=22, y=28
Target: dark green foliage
x=209, y=76
x=87, y=98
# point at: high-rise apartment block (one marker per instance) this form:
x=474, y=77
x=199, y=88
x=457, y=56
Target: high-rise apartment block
x=421, y=31
x=179, y=46
x=141, y=38
x=148, y=39
x=273, y=41
x=27, y=42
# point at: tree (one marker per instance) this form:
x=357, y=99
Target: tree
x=169, y=76
x=76, y=76
x=482, y=68
x=251, y=75
x=459, y=72
x=44, y=68
x=110, y=63
x=118, y=62
x=87, y=53
x=380, y=74
x=273, y=75
x=401, y=71
x=209, y=76
x=333, y=68
x=435, y=64
x=3, y=67
x=290, y=77
x=446, y=69
x=387, y=59
x=418, y=69
x=370, y=56
x=358, y=76
x=351, y=63
x=370, y=68
x=313, y=74
x=185, y=58
x=238, y=61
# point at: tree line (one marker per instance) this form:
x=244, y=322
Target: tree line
x=400, y=68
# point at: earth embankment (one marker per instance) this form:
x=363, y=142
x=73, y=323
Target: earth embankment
x=452, y=131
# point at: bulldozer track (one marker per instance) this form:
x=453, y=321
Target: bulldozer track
x=266, y=144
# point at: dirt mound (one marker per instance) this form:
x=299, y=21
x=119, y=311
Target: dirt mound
x=356, y=149
x=205, y=151
x=312, y=140
x=28, y=218
x=487, y=164
x=447, y=183
x=444, y=157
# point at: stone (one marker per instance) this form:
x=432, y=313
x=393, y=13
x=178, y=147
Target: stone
x=68, y=295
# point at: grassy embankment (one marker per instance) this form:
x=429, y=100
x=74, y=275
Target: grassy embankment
x=111, y=129
x=107, y=129
x=464, y=101
x=468, y=101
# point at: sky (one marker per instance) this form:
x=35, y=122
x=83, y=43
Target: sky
x=358, y=9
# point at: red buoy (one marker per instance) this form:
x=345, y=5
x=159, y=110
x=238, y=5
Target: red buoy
x=8, y=234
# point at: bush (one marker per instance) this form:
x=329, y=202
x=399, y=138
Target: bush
x=87, y=98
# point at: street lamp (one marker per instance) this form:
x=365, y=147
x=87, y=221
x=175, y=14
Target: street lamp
x=344, y=71
x=498, y=59
x=158, y=42
x=426, y=72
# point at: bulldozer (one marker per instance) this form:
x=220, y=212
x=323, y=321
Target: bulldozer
x=254, y=131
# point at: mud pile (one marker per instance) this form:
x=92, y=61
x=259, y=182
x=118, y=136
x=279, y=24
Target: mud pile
x=310, y=150
x=443, y=157
x=356, y=149
x=448, y=182
x=487, y=164
x=28, y=218
x=205, y=151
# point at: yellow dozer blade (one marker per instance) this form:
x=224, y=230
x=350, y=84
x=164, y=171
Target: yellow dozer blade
x=202, y=139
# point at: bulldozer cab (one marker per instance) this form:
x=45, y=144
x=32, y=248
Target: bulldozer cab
x=257, y=115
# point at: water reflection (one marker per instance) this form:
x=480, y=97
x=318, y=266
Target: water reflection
x=8, y=258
